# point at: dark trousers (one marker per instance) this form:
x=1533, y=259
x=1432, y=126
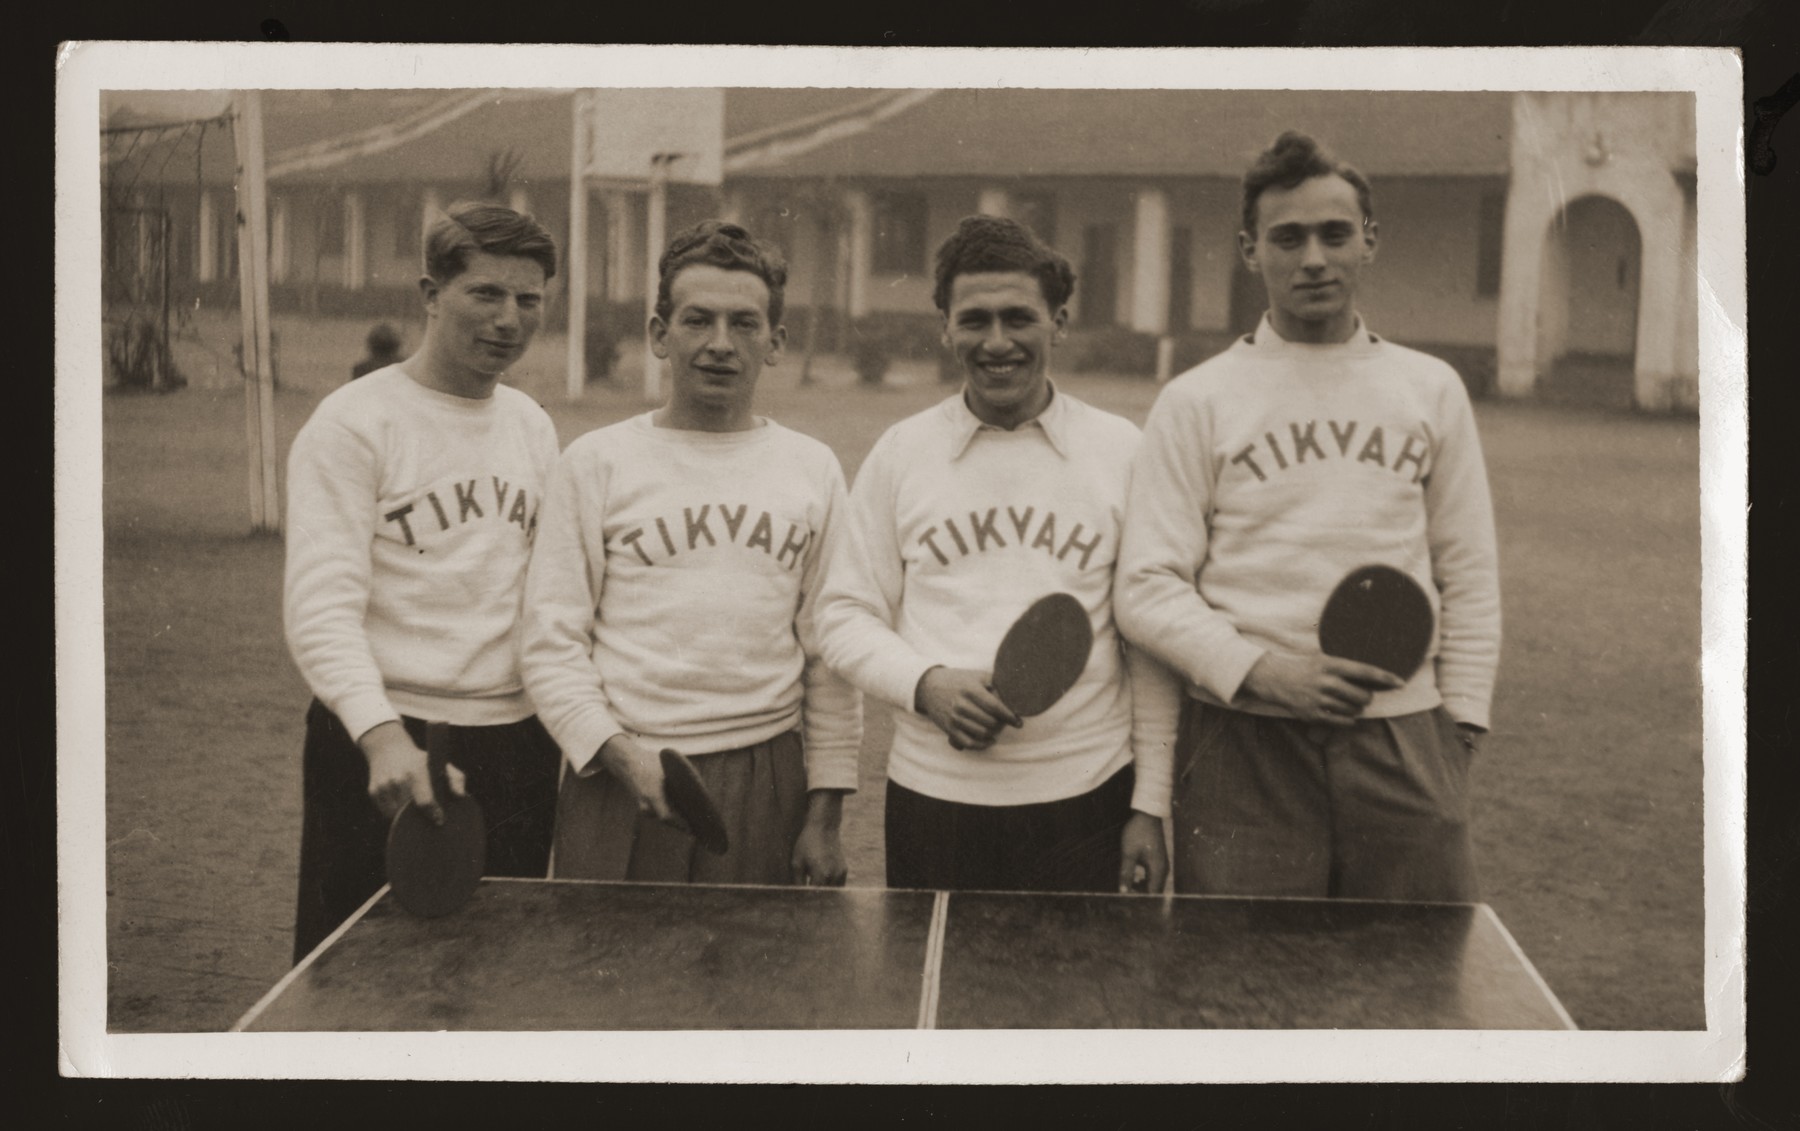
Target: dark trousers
x=510, y=769
x=1275, y=806
x=1066, y=845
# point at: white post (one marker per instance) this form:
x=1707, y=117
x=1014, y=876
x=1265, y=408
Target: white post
x=861, y=211
x=518, y=200
x=207, y=253
x=576, y=264
x=278, y=240
x=654, y=238
x=253, y=290
x=1150, y=262
x=355, y=242
x=991, y=202
x=618, y=246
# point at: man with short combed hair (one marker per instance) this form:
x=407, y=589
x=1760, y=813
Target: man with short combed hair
x=670, y=602
x=412, y=500
x=962, y=516
x=1310, y=448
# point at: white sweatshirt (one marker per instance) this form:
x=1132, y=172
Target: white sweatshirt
x=409, y=525
x=671, y=592
x=1274, y=469
x=956, y=528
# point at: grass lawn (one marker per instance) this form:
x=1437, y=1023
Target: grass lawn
x=1588, y=794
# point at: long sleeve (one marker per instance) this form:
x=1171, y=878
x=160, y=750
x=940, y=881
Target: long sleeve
x=863, y=588
x=832, y=710
x=1164, y=546
x=332, y=484
x=1464, y=564
x=1155, y=714
x=562, y=589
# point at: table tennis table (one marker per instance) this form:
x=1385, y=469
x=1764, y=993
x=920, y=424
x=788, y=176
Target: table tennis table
x=555, y=955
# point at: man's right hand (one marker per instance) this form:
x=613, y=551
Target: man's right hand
x=398, y=771
x=962, y=702
x=1318, y=688
x=640, y=768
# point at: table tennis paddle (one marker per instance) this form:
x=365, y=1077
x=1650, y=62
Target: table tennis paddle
x=1042, y=654
x=434, y=869
x=1378, y=615
x=688, y=798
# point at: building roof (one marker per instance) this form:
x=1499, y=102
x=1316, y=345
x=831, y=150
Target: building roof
x=974, y=132
x=414, y=136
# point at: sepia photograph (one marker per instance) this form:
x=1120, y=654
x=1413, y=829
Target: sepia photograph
x=903, y=565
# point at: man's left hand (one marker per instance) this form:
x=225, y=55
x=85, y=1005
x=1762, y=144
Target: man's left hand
x=818, y=859
x=1144, y=860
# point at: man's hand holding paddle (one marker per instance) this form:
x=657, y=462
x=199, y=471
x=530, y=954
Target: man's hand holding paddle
x=640, y=768
x=400, y=772
x=1318, y=688
x=964, y=705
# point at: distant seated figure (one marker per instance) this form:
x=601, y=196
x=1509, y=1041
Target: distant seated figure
x=384, y=350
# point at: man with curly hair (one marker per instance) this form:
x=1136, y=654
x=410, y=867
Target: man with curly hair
x=962, y=516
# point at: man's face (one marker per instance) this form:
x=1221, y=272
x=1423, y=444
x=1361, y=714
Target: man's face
x=1310, y=246
x=717, y=340
x=483, y=319
x=1001, y=331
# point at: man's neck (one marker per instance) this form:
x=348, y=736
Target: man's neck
x=686, y=418
x=1327, y=332
x=1008, y=420
x=434, y=374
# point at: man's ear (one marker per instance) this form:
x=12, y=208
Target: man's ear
x=1247, y=250
x=777, y=343
x=1061, y=321
x=429, y=291
x=659, y=336
x=944, y=328
x=1370, y=232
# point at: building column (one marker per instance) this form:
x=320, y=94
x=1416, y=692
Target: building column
x=356, y=241
x=992, y=202
x=430, y=205
x=1521, y=285
x=278, y=238
x=1150, y=262
x=1659, y=293
x=206, y=254
x=861, y=212
x=518, y=200
x=731, y=208
x=620, y=240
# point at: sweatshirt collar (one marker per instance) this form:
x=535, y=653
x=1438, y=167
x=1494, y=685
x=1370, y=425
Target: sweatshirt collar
x=1265, y=340
x=1053, y=422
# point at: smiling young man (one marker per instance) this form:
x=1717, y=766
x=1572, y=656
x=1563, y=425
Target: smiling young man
x=961, y=517
x=412, y=499
x=1310, y=448
x=670, y=602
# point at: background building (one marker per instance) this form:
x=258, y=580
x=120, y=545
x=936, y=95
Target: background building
x=1544, y=243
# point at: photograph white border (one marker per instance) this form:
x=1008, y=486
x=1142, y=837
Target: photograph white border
x=1716, y=1053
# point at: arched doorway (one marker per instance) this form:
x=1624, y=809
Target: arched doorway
x=1588, y=308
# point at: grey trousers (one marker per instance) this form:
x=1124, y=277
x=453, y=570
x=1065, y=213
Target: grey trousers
x=1274, y=806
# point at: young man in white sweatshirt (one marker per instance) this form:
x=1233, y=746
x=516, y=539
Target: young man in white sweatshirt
x=412, y=498
x=1307, y=449
x=670, y=600
x=961, y=517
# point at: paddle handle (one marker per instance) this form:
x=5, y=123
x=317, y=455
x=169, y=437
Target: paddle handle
x=437, y=755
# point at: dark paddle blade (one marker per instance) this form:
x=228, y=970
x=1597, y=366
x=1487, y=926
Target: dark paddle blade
x=689, y=798
x=1378, y=615
x=434, y=869
x=1043, y=654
